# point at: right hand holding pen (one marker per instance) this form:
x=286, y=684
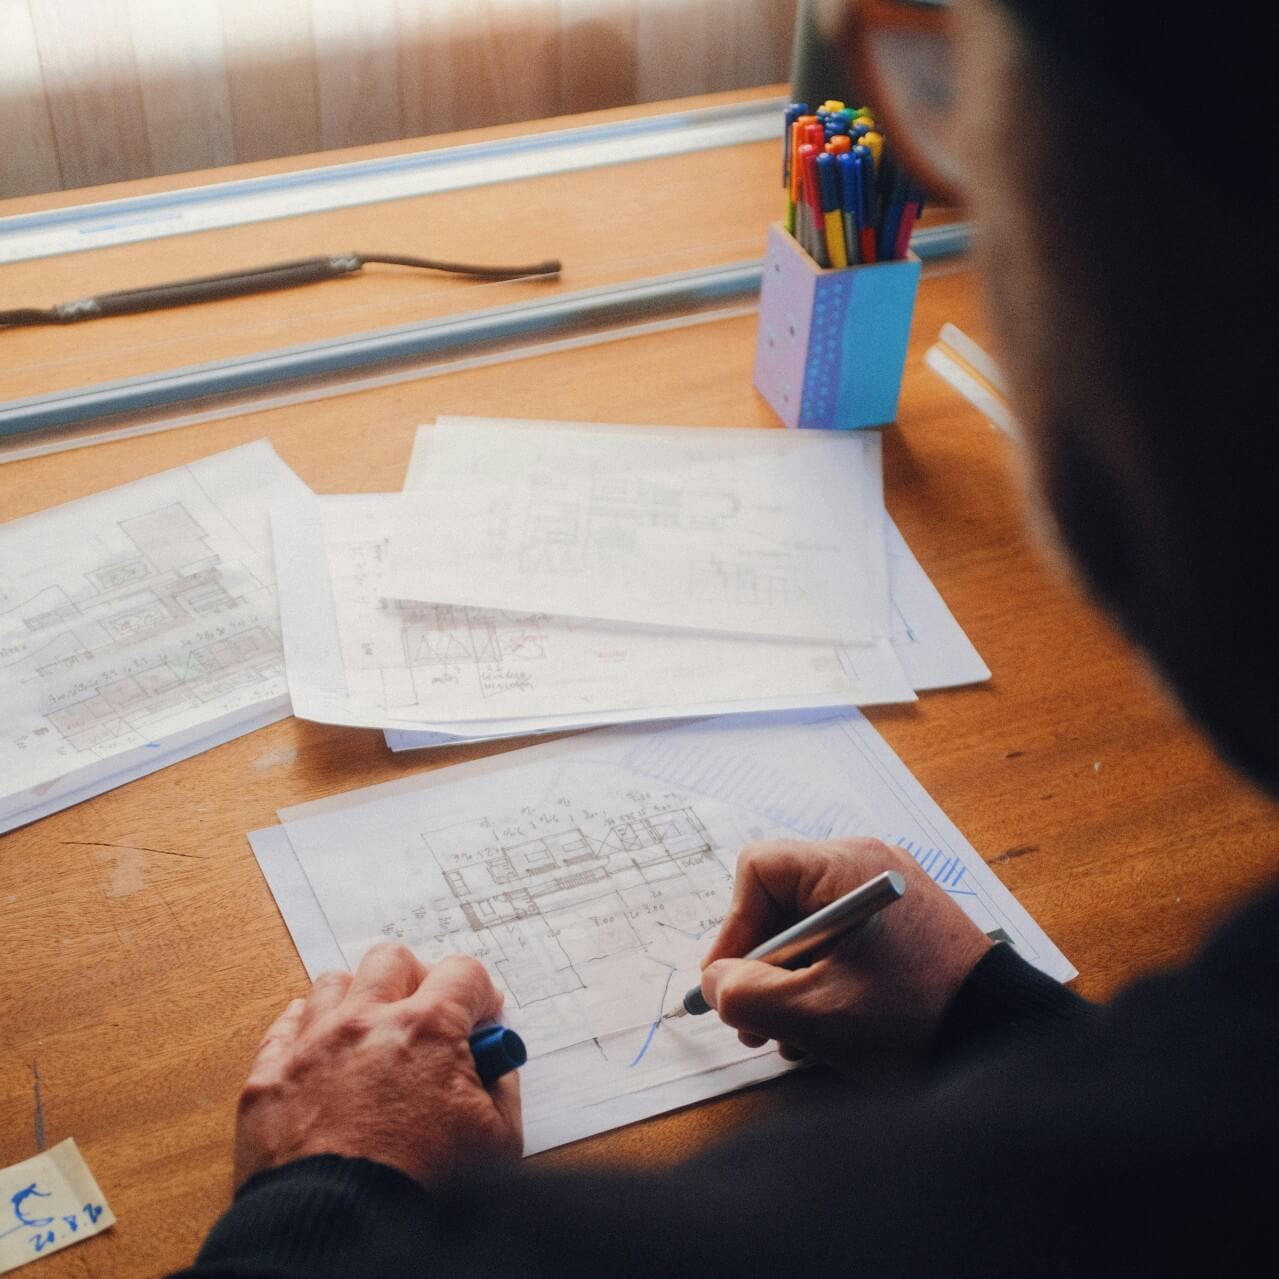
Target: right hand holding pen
x=876, y=994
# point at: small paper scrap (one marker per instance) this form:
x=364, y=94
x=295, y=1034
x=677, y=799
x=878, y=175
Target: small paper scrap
x=48, y=1202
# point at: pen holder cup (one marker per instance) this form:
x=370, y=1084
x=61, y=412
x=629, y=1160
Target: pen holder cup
x=831, y=345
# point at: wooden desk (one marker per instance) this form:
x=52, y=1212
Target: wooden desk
x=141, y=953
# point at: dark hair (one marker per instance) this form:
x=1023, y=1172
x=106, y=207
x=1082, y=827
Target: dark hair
x=1150, y=210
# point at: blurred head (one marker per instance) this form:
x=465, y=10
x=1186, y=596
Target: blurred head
x=1113, y=163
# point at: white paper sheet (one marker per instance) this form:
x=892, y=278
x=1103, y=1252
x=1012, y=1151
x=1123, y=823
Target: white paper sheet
x=137, y=627
x=590, y=873
x=927, y=641
x=741, y=531
x=48, y=1203
x=575, y=1092
x=357, y=657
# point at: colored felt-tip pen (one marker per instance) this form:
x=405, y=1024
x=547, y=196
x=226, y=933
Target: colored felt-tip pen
x=821, y=928
x=832, y=222
x=496, y=1050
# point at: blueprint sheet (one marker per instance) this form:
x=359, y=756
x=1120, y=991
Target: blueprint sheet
x=137, y=627
x=357, y=657
x=745, y=531
x=590, y=874
x=929, y=645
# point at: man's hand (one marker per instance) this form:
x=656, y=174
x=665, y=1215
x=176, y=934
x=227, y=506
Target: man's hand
x=378, y=1066
x=876, y=994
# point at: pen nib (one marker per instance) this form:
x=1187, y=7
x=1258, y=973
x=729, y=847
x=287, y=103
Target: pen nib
x=675, y=1012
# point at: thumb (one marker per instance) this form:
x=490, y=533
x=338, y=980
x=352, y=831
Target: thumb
x=758, y=998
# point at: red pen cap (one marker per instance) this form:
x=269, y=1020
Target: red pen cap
x=808, y=167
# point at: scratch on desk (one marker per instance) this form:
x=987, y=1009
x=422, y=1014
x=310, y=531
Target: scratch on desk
x=1019, y=851
x=139, y=848
x=35, y=1081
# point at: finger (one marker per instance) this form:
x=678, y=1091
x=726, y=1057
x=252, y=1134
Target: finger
x=506, y=1098
x=326, y=994
x=458, y=994
x=751, y=1041
x=767, y=1002
x=789, y=1052
x=781, y=881
x=277, y=1041
x=764, y=897
x=386, y=973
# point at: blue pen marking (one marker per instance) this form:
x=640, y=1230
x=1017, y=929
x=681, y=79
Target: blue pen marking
x=652, y=1030
x=943, y=869
x=23, y=1221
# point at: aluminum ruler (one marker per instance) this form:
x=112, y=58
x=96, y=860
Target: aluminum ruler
x=337, y=186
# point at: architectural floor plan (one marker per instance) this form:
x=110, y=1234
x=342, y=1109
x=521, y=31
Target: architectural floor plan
x=391, y=663
x=590, y=874
x=139, y=613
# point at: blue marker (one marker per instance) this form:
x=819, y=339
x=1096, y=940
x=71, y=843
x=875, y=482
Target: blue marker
x=832, y=224
x=497, y=1050
x=849, y=202
x=791, y=114
x=866, y=206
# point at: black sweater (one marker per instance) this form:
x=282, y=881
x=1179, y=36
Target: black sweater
x=1045, y=1137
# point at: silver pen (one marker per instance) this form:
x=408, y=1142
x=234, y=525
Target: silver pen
x=825, y=925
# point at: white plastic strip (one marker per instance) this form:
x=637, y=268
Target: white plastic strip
x=338, y=186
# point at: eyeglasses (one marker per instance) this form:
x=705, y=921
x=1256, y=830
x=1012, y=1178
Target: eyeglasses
x=901, y=53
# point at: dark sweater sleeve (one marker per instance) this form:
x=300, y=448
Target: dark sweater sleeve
x=325, y=1216
x=1003, y=997
x=1134, y=1138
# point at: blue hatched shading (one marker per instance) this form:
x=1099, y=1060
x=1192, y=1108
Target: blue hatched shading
x=943, y=868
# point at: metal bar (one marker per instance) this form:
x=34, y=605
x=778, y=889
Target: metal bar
x=428, y=339
x=337, y=186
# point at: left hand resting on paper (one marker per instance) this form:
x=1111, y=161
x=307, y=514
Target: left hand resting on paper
x=378, y=1066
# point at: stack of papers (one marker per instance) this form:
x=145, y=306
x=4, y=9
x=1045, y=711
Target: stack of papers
x=590, y=874
x=138, y=627
x=538, y=576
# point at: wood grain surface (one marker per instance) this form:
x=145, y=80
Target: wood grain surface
x=141, y=955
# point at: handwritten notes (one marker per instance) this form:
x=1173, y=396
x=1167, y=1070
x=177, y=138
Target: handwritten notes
x=48, y=1202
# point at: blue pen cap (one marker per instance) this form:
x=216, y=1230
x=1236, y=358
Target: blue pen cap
x=865, y=185
x=827, y=182
x=497, y=1050
x=846, y=167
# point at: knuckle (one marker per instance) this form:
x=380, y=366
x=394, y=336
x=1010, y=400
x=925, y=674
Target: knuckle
x=258, y=1089
x=332, y=980
x=348, y=1028
x=444, y=1018
x=734, y=997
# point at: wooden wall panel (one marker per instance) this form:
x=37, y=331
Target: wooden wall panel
x=271, y=69
x=97, y=90
x=186, y=99
x=598, y=60
x=429, y=85
x=712, y=45
x=357, y=70
x=91, y=77
x=28, y=158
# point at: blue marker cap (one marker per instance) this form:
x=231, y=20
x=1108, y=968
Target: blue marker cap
x=866, y=185
x=827, y=182
x=496, y=1050
x=846, y=166
x=791, y=114
x=866, y=182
